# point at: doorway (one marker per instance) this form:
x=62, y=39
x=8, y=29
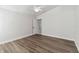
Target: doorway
x=36, y=28
x=39, y=25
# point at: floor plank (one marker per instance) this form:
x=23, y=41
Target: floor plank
x=39, y=44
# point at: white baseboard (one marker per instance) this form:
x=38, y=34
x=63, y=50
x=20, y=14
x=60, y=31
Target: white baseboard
x=6, y=41
x=77, y=45
x=59, y=37
x=63, y=38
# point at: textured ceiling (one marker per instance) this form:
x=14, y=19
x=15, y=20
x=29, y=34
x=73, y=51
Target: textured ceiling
x=28, y=9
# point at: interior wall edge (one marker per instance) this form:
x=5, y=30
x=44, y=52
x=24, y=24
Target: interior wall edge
x=77, y=45
x=62, y=38
x=58, y=37
x=7, y=41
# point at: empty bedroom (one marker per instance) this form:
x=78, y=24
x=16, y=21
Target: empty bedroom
x=39, y=28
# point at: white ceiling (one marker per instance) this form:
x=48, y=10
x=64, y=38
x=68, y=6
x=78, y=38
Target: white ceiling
x=28, y=9
x=45, y=8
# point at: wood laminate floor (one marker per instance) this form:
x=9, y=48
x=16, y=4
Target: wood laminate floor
x=39, y=44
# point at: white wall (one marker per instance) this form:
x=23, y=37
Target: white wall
x=59, y=22
x=77, y=26
x=14, y=25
